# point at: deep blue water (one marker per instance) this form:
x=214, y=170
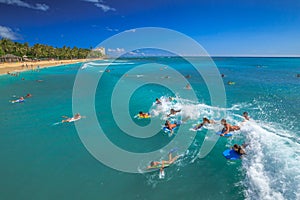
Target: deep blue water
x=43, y=159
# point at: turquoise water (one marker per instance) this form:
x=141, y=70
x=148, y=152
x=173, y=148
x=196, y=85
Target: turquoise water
x=42, y=159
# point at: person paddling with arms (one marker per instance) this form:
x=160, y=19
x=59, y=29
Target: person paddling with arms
x=228, y=127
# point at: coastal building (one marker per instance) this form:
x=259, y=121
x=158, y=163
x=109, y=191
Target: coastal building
x=100, y=50
x=10, y=58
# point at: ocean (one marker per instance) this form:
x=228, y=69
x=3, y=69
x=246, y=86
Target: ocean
x=42, y=158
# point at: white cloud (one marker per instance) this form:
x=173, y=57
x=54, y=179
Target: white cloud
x=6, y=32
x=131, y=30
x=116, y=50
x=105, y=8
x=37, y=6
x=93, y=1
x=100, y=4
x=111, y=29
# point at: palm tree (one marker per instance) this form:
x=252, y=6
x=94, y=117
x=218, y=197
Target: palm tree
x=42, y=51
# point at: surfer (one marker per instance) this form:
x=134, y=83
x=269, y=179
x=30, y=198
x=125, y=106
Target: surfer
x=143, y=115
x=170, y=126
x=246, y=116
x=173, y=112
x=228, y=127
x=20, y=100
x=76, y=117
x=239, y=149
x=188, y=87
x=171, y=99
x=157, y=101
x=205, y=121
x=163, y=164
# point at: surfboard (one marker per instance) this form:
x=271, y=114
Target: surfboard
x=231, y=154
x=148, y=115
x=18, y=101
x=167, y=131
x=226, y=135
x=73, y=119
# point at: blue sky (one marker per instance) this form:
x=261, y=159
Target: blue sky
x=224, y=27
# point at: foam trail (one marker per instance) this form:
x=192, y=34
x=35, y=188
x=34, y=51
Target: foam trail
x=191, y=113
x=194, y=111
x=272, y=163
x=94, y=64
x=56, y=123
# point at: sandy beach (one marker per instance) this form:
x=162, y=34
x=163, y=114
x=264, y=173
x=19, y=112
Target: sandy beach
x=30, y=65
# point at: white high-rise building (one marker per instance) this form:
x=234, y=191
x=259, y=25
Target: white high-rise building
x=101, y=50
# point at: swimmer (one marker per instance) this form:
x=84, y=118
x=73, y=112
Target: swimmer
x=157, y=101
x=188, y=87
x=72, y=119
x=171, y=99
x=228, y=128
x=239, y=149
x=173, y=112
x=205, y=121
x=246, y=116
x=171, y=160
x=20, y=100
x=170, y=126
x=188, y=76
x=143, y=115
x=28, y=95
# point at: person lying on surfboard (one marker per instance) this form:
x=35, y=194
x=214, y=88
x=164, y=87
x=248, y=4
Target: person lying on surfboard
x=246, y=116
x=173, y=112
x=171, y=160
x=143, y=115
x=163, y=163
x=170, y=126
x=72, y=119
x=20, y=100
x=228, y=127
x=239, y=149
x=157, y=101
x=205, y=121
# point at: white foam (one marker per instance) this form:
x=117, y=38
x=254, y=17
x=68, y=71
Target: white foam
x=272, y=163
x=95, y=64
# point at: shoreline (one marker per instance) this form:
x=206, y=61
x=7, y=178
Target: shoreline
x=15, y=67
